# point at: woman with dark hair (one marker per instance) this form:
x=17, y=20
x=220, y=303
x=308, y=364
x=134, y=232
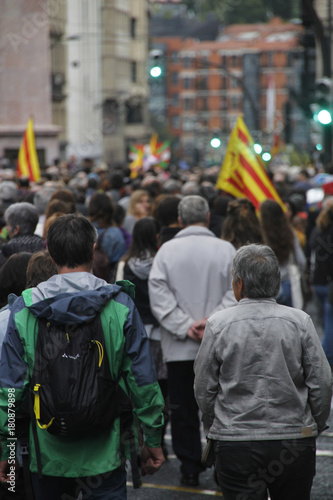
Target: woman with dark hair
x=241, y=225
x=101, y=214
x=279, y=235
x=322, y=274
x=135, y=267
x=13, y=276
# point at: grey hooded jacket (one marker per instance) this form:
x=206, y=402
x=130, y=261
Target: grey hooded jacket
x=261, y=374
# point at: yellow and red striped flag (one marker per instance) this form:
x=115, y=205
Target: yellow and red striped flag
x=242, y=173
x=28, y=165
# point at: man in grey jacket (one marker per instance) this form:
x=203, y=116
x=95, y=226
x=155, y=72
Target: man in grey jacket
x=263, y=384
x=190, y=279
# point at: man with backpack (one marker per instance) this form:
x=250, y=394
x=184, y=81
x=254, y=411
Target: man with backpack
x=76, y=348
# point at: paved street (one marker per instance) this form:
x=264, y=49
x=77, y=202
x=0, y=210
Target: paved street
x=165, y=484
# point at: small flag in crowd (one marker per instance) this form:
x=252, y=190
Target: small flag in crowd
x=28, y=165
x=145, y=156
x=242, y=173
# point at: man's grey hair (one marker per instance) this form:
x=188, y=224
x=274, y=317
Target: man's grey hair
x=258, y=268
x=24, y=215
x=42, y=198
x=193, y=209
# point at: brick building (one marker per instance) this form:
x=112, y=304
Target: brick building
x=254, y=69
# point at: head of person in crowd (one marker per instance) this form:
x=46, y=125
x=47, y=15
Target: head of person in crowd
x=276, y=229
x=190, y=188
x=67, y=196
x=144, y=239
x=101, y=210
x=193, y=210
x=221, y=204
x=40, y=268
x=325, y=219
x=21, y=219
x=166, y=213
x=13, y=275
x=70, y=242
x=41, y=198
x=172, y=186
x=140, y=204
x=56, y=206
x=48, y=222
x=208, y=191
x=241, y=225
x=9, y=193
x=153, y=185
x=166, y=210
x=255, y=272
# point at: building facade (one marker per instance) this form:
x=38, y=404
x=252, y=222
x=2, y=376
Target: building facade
x=252, y=69
x=25, y=79
x=107, y=77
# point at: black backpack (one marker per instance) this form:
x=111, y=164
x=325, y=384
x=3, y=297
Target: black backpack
x=72, y=390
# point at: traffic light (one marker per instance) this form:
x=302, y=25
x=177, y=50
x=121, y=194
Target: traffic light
x=215, y=142
x=323, y=101
x=156, y=66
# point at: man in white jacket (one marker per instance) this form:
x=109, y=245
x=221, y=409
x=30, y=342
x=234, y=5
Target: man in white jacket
x=190, y=279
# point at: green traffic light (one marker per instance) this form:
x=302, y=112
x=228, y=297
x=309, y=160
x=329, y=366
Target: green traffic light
x=266, y=156
x=155, y=72
x=215, y=142
x=324, y=117
x=258, y=148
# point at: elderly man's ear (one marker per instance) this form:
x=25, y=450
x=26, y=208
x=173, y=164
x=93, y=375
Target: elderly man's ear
x=238, y=288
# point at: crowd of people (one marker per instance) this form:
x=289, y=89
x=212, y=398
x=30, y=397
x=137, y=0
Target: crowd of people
x=178, y=239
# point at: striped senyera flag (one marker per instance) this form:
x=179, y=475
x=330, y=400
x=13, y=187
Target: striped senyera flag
x=242, y=173
x=27, y=164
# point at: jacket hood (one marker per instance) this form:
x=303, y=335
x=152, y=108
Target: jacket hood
x=69, y=298
x=141, y=267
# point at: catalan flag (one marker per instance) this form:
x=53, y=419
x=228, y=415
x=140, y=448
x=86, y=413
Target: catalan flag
x=28, y=165
x=242, y=173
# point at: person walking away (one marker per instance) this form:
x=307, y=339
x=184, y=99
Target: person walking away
x=92, y=461
x=189, y=280
x=263, y=385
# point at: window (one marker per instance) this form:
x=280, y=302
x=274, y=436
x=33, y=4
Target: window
x=234, y=102
x=186, y=63
x=187, y=124
x=174, y=56
x=175, y=100
x=269, y=59
x=175, y=122
x=201, y=83
x=234, y=82
x=234, y=61
x=133, y=24
x=187, y=104
x=175, y=79
x=187, y=83
x=133, y=71
x=223, y=104
x=133, y=113
x=110, y=116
